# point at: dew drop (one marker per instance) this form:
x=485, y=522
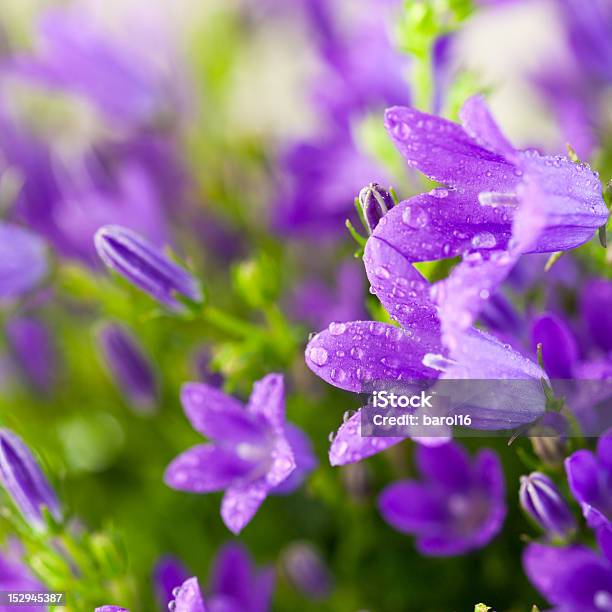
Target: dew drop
x=337, y=329
x=484, y=240
x=318, y=355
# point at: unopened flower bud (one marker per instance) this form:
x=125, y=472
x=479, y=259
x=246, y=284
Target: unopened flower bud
x=542, y=500
x=375, y=202
x=128, y=365
x=307, y=570
x=25, y=482
x=145, y=266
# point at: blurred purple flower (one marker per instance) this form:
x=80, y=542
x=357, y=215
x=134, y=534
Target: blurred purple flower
x=542, y=500
x=121, y=73
x=25, y=482
x=168, y=573
x=577, y=87
x=575, y=578
x=251, y=453
x=236, y=585
x=33, y=350
x=496, y=203
x=14, y=577
x=590, y=479
x=307, y=570
x=559, y=347
x=22, y=260
x=145, y=266
x=317, y=303
x=457, y=506
x=596, y=311
x=129, y=366
x=362, y=72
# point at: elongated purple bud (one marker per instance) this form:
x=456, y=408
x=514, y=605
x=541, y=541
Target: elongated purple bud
x=542, y=500
x=33, y=351
x=128, y=365
x=24, y=481
x=145, y=266
x=307, y=570
x=375, y=202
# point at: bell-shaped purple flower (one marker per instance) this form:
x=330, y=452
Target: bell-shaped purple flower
x=25, y=482
x=145, y=266
x=457, y=505
x=358, y=355
x=22, y=260
x=375, y=202
x=307, y=570
x=250, y=453
x=574, y=578
x=495, y=204
x=542, y=500
x=590, y=479
x=129, y=366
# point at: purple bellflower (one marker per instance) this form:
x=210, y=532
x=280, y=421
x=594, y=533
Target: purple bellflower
x=251, y=453
x=457, y=506
x=574, y=578
x=495, y=204
x=145, y=266
x=357, y=354
x=22, y=260
x=590, y=479
x=543, y=502
x=23, y=480
x=128, y=365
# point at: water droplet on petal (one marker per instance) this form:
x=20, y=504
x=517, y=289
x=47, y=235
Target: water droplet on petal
x=318, y=355
x=337, y=329
x=484, y=240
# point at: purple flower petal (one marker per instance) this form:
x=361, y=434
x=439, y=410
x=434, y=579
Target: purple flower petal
x=596, y=310
x=349, y=446
x=189, y=597
x=559, y=347
x=447, y=464
x=240, y=503
x=206, y=468
x=304, y=457
x=401, y=289
x=169, y=573
x=231, y=575
x=411, y=507
x=604, y=450
x=582, y=476
x=220, y=416
x=268, y=400
x=22, y=260
x=480, y=125
x=352, y=355
x=445, y=152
